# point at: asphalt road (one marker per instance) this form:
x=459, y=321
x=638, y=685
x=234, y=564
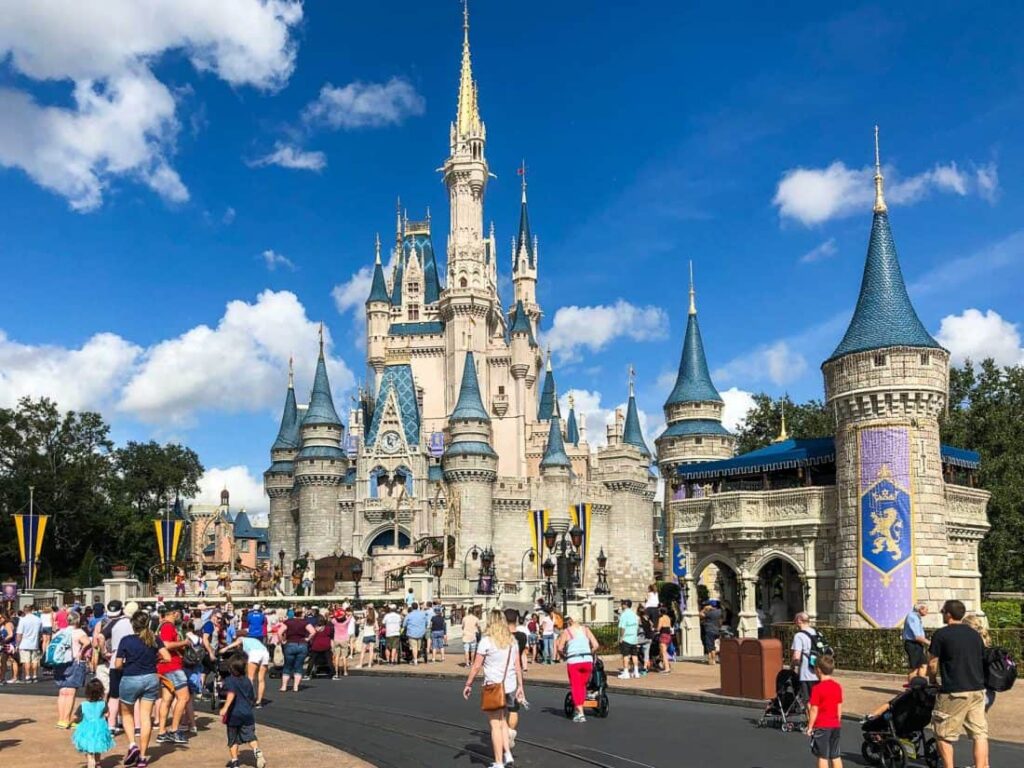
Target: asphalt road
x=405, y=722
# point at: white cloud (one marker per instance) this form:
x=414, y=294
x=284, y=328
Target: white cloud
x=272, y=259
x=738, y=403
x=122, y=120
x=594, y=416
x=229, y=216
x=825, y=250
x=596, y=327
x=364, y=105
x=76, y=379
x=350, y=297
x=815, y=195
x=290, y=156
x=975, y=335
x=777, y=362
x=245, y=489
x=240, y=365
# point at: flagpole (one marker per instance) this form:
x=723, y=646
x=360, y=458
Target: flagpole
x=30, y=550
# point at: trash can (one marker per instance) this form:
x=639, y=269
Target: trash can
x=760, y=661
x=729, y=666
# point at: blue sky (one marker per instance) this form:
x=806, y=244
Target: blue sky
x=162, y=262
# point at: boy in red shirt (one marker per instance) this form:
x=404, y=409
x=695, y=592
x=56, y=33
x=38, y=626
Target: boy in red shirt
x=823, y=719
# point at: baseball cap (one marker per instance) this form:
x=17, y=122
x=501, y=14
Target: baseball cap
x=131, y=608
x=339, y=614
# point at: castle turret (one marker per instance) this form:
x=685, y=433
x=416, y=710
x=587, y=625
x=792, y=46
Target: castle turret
x=693, y=411
x=572, y=430
x=524, y=262
x=886, y=385
x=378, y=318
x=278, y=480
x=548, y=398
x=320, y=468
x=632, y=434
x=469, y=462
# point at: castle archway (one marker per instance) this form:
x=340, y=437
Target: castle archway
x=780, y=590
x=385, y=537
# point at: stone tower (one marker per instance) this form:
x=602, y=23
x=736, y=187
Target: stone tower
x=378, y=315
x=524, y=263
x=320, y=468
x=279, y=478
x=693, y=411
x=470, y=464
x=886, y=384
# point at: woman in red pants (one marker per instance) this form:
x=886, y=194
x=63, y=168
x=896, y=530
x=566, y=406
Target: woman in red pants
x=577, y=643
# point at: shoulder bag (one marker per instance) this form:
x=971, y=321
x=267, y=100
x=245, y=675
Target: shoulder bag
x=492, y=697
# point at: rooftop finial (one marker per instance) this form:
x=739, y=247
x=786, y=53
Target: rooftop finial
x=880, y=206
x=548, y=367
x=291, y=372
x=632, y=376
x=783, y=434
x=467, y=118
x=572, y=401
x=321, y=338
x=522, y=172
x=376, y=246
x=693, y=300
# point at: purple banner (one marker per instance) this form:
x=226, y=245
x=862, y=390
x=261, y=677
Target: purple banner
x=886, y=562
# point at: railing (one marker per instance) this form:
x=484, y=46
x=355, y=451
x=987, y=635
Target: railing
x=796, y=505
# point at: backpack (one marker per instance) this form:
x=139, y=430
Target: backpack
x=819, y=648
x=1000, y=669
x=58, y=652
x=193, y=655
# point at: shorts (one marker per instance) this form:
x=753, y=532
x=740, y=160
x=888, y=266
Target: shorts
x=414, y=644
x=139, y=688
x=627, y=649
x=29, y=657
x=294, y=658
x=114, y=689
x=46, y=631
x=665, y=638
x=437, y=639
x=957, y=713
x=393, y=642
x=174, y=680
x=260, y=657
x=103, y=675
x=370, y=640
x=825, y=743
x=70, y=675
x=531, y=640
x=470, y=648
x=339, y=647
x=915, y=654
x=710, y=642
x=511, y=702
x=241, y=734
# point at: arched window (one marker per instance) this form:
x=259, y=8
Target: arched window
x=404, y=476
x=375, y=476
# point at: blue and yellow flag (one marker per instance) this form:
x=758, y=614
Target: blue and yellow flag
x=581, y=516
x=30, y=529
x=538, y=519
x=168, y=537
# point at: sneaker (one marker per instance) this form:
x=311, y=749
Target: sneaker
x=179, y=738
x=195, y=730
x=261, y=761
x=578, y=718
x=133, y=756
x=508, y=758
x=624, y=675
x=143, y=763
x=512, y=738
x=164, y=738
x=636, y=675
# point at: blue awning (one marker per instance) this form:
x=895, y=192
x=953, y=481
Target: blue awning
x=960, y=457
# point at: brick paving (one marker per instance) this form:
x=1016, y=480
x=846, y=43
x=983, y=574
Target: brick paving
x=28, y=737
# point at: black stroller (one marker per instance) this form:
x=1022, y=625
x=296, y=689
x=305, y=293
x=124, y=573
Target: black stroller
x=788, y=704
x=597, y=693
x=218, y=670
x=898, y=733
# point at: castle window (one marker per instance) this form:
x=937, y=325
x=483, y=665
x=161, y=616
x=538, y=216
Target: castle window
x=414, y=287
x=463, y=282
x=926, y=359
x=501, y=389
x=879, y=361
x=698, y=440
x=414, y=312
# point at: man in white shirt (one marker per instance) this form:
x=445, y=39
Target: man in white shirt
x=27, y=638
x=803, y=641
x=392, y=622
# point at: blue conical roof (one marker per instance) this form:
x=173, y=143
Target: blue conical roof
x=321, y=404
x=884, y=316
x=469, y=406
x=554, y=453
x=547, y=396
x=693, y=382
x=378, y=288
x=572, y=431
x=631, y=432
x=396, y=288
x=288, y=434
x=524, y=239
x=521, y=322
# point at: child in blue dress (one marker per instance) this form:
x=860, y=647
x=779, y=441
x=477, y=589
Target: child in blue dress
x=92, y=736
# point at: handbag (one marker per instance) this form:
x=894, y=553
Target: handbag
x=492, y=697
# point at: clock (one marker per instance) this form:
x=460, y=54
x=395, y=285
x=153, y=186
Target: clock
x=390, y=442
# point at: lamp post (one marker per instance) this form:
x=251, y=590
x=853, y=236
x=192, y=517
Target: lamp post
x=473, y=552
x=485, y=582
x=357, y=576
x=567, y=559
x=530, y=553
x=548, y=567
x=602, y=587
x=437, y=568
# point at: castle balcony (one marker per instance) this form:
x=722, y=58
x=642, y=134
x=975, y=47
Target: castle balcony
x=499, y=404
x=752, y=515
x=967, y=518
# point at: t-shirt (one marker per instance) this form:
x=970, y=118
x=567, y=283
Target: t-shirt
x=139, y=658
x=257, y=624
x=169, y=634
x=253, y=645
x=321, y=641
x=498, y=660
x=470, y=625
x=241, y=712
x=521, y=638
x=28, y=628
x=547, y=625
x=392, y=624
x=47, y=619
x=295, y=631
x=827, y=696
x=802, y=643
x=343, y=629
x=437, y=623
x=629, y=623
x=415, y=624
x=60, y=619
x=961, y=654
x=913, y=627
x=652, y=600
x=713, y=621
x=115, y=631
x=410, y=598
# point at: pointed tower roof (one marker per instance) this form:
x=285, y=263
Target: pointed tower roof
x=467, y=119
x=321, y=403
x=524, y=239
x=378, y=288
x=554, y=453
x=547, y=394
x=631, y=432
x=396, y=276
x=572, y=430
x=469, y=406
x=521, y=322
x=693, y=382
x=288, y=434
x=884, y=316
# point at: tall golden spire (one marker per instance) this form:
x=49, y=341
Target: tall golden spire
x=468, y=118
x=693, y=295
x=783, y=434
x=880, y=206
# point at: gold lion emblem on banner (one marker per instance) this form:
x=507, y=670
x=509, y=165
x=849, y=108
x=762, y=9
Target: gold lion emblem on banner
x=886, y=533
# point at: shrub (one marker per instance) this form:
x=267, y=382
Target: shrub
x=1003, y=613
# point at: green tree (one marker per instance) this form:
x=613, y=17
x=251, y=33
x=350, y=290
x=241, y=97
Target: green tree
x=763, y=422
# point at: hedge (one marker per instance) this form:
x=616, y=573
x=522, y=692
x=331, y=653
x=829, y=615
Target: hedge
x=1003, y=613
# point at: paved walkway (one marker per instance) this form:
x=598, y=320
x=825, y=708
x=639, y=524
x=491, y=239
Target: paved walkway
x=28, y=737
x=696, y=681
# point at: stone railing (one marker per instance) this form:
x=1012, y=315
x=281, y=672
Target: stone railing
x=792, y=506
x=967, y=509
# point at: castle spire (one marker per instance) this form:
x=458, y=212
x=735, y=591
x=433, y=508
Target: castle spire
x=548, y=397
x=291, y=372
x=632, y=433
x=572, y=430
x=469, y=405
x=321, y=403
x=783, y=434
x=554, y=453
x=467, y=119
x=693, y=382
x=880, y=206
x=378, y=288
x=288, y=434
x=693, y=295
x=524, y=239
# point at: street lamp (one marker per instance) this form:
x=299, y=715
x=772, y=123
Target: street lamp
x=473, y=552
x=548, y=567
x=602, y=588
x=485, y=583
x=530, y=553
x=357, y=576
x=437, y=568
x=567, y=559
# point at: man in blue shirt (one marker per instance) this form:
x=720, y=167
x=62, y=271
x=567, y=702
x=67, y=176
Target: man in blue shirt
x=257, y=624
x=415, y=630
x=915, y=643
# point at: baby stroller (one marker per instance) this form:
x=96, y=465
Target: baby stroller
x=213, y=682
x=597, y=693
x=898, y=733
x=787, y=706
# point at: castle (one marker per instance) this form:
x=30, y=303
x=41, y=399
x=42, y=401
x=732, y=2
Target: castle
x=854, y=528
x=460, y=437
